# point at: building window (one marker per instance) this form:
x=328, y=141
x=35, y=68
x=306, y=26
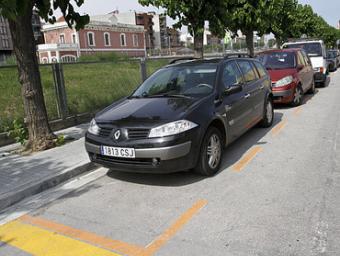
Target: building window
x=68, y=58
x=5, y=43
x=62, y=38
x=74, y=38
x=135, y=40
x=122, y=40
x=107, y=40
x=90, y=39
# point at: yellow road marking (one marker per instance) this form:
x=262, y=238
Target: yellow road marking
x=87, y=237
x=156, y=244
x=277, y=129
x=40, y=242
x=247, y=158
x=297, y=110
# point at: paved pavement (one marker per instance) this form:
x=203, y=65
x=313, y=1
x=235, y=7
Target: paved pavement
x=278, y=193
x=22, y=176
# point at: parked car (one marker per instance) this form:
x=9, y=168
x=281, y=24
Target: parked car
x=316, y=51
x=182, y=117
x=333, y=59
x=291, y=73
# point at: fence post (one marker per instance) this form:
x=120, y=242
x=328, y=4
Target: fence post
x=143, y=69
x=59, y=84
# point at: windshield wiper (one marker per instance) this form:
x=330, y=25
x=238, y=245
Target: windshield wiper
x=165, y=95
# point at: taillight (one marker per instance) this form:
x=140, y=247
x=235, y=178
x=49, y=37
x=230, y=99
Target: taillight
x=321, y=70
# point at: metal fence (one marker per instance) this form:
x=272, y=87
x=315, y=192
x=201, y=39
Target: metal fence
x=75, y=88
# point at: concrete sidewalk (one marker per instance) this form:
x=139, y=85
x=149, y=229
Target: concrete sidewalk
x=23, y=176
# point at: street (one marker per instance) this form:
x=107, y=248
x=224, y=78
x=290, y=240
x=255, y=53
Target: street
x=277, y=194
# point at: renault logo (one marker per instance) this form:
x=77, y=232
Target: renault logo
x=116, y=134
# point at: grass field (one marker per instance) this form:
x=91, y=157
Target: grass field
x=89, y=87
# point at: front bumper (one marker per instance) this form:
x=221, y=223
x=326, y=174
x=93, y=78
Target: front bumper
x=320, y=77
x=169, y=159
x=283, y=96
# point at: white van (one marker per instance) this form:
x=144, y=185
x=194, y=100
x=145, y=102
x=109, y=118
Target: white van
x=317, y=53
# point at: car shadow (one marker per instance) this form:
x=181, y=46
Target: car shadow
x=233, y=153
x=307, y=97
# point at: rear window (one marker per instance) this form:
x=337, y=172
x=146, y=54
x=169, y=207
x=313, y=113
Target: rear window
x=260, y=69
x=312, y=49
x=247, y=70
x=278, y=60
x=331, y=54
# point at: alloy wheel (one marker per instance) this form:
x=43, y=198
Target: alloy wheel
x=214, y=151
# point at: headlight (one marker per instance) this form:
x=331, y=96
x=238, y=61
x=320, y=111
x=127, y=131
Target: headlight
x=94, y=128
x=172, y=128
x=284, y=81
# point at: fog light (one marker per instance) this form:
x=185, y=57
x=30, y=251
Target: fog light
x=155, y=161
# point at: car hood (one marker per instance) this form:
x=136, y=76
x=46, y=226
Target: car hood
x=278, y=74
x=144, y=111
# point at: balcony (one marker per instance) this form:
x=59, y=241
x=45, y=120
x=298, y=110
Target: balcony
x=57, y=47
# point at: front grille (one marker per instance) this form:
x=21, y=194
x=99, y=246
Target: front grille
x=137, y=161
x=104, y=132
x=138, y=133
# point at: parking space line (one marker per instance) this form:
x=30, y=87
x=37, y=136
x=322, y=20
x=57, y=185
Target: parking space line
x=278, y=128
x=40, y=242
x=161, y=240
x=246, y=159
x=84, y=236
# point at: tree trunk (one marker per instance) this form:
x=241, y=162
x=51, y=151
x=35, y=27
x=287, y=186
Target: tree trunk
x=40, y=134
x=250, y=42
x=278, y=42
x=198, y=42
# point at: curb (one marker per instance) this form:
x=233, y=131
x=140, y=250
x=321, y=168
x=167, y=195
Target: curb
x=25, y=191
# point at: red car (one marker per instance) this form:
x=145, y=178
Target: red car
x=291, y=73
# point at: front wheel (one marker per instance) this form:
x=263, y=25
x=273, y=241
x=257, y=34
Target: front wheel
x=268, y=114
x=211, y=153
x=298, y=95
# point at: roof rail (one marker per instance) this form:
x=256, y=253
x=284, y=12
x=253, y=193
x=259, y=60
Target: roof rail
x=237, y=55
x=182, y=59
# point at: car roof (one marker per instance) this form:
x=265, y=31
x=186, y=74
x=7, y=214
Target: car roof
x=282, y=50
x=304, y=42
x=194, y=62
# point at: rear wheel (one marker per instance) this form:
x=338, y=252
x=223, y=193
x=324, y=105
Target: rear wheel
x=298, y=95
x=312, y=89
x=211, y=153
x=268, y=114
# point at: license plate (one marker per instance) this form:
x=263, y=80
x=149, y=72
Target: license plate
x=118, y=152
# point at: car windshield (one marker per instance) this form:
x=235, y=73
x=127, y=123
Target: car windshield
x=179, y=81
x=331, y=54
x=312, y=49
x=278, y=60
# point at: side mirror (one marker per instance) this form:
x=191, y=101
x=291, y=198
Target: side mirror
x=233, y=89
x=300, y=67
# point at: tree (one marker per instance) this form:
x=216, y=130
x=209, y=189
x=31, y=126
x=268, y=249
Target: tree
x=194, y=14
x=19, y=15
x=250, y=16
x=283, y=25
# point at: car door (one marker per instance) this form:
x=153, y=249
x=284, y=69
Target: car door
x=235, y=104
x=253, y=91
x=303, y=72
x=309, y=68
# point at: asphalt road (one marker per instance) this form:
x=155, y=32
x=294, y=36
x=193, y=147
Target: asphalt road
x=278, y=193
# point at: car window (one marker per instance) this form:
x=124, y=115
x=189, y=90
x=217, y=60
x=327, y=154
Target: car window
x=301, y=60
x=306, y=58
x=278, y=60
x=247, y=70
x=192, y=80
x=260, y=69
x=331, y=54
x=312, y=49
x=231, y=74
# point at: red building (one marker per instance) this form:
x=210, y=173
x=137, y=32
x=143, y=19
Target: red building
x=102, y=34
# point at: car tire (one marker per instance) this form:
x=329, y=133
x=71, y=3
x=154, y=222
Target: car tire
x=268, y=114
x=213, y=141
x=298, y=96
x=312, y=89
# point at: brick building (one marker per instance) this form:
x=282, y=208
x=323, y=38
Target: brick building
x=103, y=34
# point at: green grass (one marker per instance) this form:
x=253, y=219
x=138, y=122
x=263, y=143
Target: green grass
x=89, y=87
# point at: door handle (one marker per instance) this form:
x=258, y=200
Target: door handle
x=247, y=96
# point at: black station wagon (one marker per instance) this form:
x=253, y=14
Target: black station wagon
x=182, y=117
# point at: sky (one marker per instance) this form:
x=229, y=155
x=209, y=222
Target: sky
x=328, y=9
